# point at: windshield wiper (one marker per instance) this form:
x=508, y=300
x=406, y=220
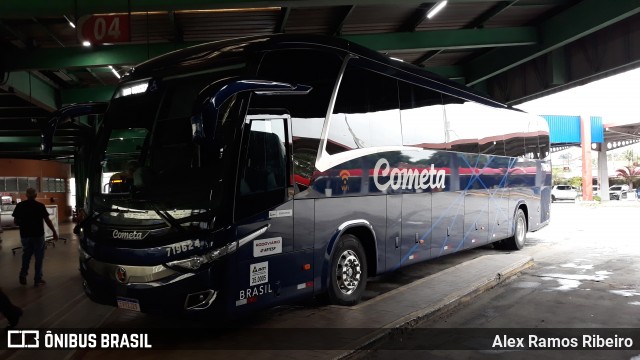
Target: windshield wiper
x=166, y=217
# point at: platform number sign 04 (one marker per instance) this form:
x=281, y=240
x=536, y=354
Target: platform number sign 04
x=100, y=29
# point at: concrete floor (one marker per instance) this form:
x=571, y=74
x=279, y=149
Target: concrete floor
x=585, y=275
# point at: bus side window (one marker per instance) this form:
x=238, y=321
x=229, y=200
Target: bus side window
x=366, y=113
x=422, y=116
x=262, y=179
x=312, y=67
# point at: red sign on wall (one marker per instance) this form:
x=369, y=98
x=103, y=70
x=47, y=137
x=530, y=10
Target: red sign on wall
x=100, y=29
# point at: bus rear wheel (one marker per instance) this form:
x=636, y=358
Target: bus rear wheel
x=516, y=242
x=348, y=277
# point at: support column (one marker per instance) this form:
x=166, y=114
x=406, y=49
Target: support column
x=585, y=144
x=603, y=173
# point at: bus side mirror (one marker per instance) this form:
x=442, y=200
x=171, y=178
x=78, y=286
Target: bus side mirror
x=64, y=113
x=205, y=116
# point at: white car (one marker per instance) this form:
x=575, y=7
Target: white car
x=563, y=192
x=617, y=192
x=6, y=220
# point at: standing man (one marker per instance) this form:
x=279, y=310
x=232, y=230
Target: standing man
x=28, y=215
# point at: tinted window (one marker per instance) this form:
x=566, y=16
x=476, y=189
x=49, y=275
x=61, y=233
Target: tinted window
x=532, y=149
x=263, y=176
x=366, y=113
x=308, y=67
x=421, y=113
x=543, y=138
x=462, y=125
x=515, y=128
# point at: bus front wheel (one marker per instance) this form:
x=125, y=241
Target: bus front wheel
x=516, y=242
x=348, y=271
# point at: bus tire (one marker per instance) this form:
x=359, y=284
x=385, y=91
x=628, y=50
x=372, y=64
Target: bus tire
x=516, y=242
x=348, y=272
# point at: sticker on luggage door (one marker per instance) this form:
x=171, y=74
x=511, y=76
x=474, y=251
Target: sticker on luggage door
x=259, y=273
x=264, y=247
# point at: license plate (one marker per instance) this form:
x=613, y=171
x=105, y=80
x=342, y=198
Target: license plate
x=128, y=304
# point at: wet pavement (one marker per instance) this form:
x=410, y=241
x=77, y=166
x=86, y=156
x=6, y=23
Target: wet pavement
x=586, y=276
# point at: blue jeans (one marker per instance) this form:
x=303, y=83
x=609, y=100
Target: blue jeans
x=32, y=246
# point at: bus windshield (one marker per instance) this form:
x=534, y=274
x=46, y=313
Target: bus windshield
x=145, y=148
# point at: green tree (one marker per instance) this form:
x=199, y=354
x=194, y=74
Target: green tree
x=575, y=181
x=556, y=176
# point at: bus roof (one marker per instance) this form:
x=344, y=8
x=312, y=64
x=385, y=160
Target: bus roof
x=200, y=56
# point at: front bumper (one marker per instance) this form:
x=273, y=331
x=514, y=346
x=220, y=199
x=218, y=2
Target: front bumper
x=157, y=289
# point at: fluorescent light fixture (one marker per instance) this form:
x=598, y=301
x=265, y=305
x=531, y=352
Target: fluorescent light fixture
x=70, y=22
x=133, y=88
x=115, y=72
x=86, y=43
x=396, y=59
x=436, y=9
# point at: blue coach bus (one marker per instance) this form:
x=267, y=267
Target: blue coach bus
x=257, y=171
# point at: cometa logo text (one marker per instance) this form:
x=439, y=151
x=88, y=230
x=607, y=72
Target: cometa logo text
x=129, y=235
x=407, y=178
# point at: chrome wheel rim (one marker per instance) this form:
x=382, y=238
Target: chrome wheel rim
x=348, y=272
x=520, y=230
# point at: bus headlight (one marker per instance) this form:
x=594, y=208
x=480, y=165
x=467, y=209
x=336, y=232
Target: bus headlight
x=197, y=261
x=192, y=263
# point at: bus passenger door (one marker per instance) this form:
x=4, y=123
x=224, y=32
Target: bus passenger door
x=268, y=270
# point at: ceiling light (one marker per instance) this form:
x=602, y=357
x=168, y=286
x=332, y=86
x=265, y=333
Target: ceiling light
x=114, y=71
x=86, y=43
x=70, y=22
x=436, y=9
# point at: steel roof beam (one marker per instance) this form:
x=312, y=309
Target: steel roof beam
x=48, y=8
x=578, y=21
x=416, y=18
x=346, y=12
x=19, y=141
x=31, y=147
x=80, y=95
x=31, y=89
x=82, y=57
x=489, y=14
x=38, y=132
x=448, y=39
